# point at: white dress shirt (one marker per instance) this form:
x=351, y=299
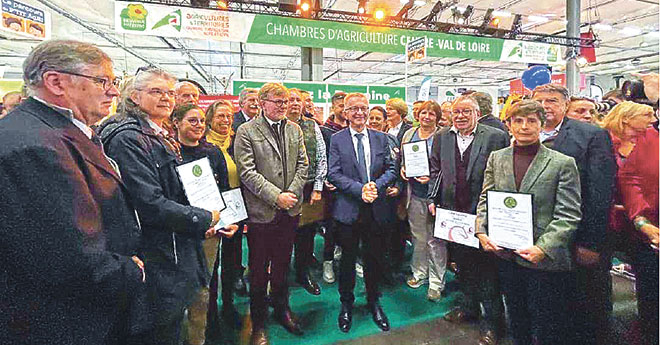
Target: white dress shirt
x=367, y=148
x=395, y=131
x=545, y=135
x=463, y=141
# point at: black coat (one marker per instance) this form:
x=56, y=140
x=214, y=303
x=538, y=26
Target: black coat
x=239, y=119
x=172, y=229
x=591, y=147
x=68, y=233
x=490, y=120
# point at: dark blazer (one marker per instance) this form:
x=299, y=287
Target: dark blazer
x=239, y=119
x=442, y=190
x=68, y=233
x=343, y=174
x=490, y=120
x=591, y=147
x=405, y=126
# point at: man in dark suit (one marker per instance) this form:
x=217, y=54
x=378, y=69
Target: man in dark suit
x=249, y=103
x=458, y=159
x=69, y=232
x=591, y=147
x=486, y=109
x=361, y=168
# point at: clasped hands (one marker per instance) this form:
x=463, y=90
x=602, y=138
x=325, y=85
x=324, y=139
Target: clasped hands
x=369, y=192
x=286, y=200
x=532, y=254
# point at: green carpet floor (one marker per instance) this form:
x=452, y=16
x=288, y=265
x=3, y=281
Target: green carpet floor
x=318, y=314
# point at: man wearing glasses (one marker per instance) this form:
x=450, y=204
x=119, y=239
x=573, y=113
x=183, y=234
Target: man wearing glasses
x=272, y=164
x=69, y=232
x=361, y=168
x=458, y=159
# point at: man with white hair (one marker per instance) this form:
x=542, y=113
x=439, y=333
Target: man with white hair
x=69, y=231
x=186, y=93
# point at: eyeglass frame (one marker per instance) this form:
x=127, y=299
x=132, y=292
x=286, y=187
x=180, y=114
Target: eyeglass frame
x=463, y=112
x=170, y=94
x=103, y=80
x=354, y=109
x=279, y=103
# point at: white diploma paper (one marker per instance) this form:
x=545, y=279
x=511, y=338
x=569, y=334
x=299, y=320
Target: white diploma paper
x=235, y=211
x=511, y=219
x=416, y=159
x=200, y=185
x=456, y=227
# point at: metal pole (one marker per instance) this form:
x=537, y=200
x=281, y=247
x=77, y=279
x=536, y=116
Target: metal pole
x=572, y=30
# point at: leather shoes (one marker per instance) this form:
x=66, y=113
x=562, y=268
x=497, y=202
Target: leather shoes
x=458, y=316
x=345, y=318
x=309, y=285
x=379, y=317
x=259, y=337
x=488, y=338
x=288, y=321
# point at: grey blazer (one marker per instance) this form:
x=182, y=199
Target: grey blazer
x=553, y=179
x=259, y=164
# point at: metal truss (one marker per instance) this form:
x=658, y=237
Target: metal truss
x=271, y=8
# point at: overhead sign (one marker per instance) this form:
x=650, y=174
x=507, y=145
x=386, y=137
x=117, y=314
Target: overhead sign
x=416, y=50
x=186, y=22
x=25, y=21
x=322, y=92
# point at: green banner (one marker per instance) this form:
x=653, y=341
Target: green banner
x=268, y=29
x=322, y=92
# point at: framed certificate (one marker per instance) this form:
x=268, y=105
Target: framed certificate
x=416, y=159
x=455, y=227
x=200, y=186
x=511, y=219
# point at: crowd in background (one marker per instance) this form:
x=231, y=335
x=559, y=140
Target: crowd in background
x=103, y=247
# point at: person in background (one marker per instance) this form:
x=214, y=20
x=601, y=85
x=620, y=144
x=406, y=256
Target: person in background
x=397, y=110
x=318, y=168
x=173, y=230
x=582, y=109
x=219, y=117
x=636, y=222
x=189, y=122
x=249, y=102
x=534, y=279
x=69, y=231
x=10, y=100
x=272, y=163
x=486, y=107
x=416, y=106
x=360, y=211
x=429, y=254
x=309, y=109
x=186, y=93
x=377, y=119
x=445, y=119
x=616, y=95
x=591, y=147
x=457, y=162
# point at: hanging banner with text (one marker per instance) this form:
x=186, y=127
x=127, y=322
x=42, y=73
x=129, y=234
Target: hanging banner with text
x=322, y=92
x=185, y=22
x=25, y=21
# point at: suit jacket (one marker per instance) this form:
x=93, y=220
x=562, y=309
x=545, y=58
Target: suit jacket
x=490, y=120
x=553, y=180
x=343, y=173
x=405, y=126
x=591, y=147
x=259, y=163
x=442, y=187
x=68, y=232
x=239, y=119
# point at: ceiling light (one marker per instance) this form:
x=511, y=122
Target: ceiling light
x=581, y=61
x=461, y=21
x=420, y=2
x=630, y=31
x=602, y=27
x=379, y=14
x=538, y=19
x=501, y=14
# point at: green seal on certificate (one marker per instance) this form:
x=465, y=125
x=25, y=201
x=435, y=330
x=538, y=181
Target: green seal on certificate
x=510, y=202
x=415, y=148
x=197, y=171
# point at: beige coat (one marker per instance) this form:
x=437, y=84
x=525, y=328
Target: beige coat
x=553, y=179
x=259, y=165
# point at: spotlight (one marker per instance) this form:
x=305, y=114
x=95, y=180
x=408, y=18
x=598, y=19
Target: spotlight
x=379, y=14
x=462, y=16
x=221, y=4
x=304, y=6
x=362, y=6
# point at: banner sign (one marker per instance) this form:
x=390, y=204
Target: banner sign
x=185, y=22
x=416, y=50
x=322, y=92
x=25, y=21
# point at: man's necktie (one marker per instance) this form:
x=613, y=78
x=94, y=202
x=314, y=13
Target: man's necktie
x=362, y=163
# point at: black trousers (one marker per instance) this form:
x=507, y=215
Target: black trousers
x=304, y=248
x=372, y=238
x=592, y=302
x=645, y=263
x=537, y=302
x=231, y=257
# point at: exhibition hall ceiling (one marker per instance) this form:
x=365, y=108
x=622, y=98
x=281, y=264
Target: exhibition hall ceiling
x=627, y=29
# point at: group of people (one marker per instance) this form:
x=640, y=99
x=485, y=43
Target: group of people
x=102, y=246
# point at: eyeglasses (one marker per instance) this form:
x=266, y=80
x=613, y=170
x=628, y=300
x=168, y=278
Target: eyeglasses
x=159, y=93
x=106, y=83
x=280, y=102
x=356, y=110
x=465, y=112
x=196, y=121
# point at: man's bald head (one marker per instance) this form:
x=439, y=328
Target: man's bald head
x=186, y=93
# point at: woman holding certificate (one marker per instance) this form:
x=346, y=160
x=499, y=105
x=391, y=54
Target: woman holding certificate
x=430, y=254
x=172, y=229
x=528, y=211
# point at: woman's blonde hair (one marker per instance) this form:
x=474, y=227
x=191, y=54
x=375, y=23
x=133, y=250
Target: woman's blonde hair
x=624, y=112
x=399, y=105
x=210, y=111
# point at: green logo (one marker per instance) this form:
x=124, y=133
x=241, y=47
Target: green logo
x=510, y=202
x=552, y=54
x=415, y=148
x=134, y=17
x=173, y=19
x=197, y=171
x=517, y=50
